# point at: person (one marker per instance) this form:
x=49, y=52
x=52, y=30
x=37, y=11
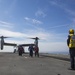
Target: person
x=20, y=50
x=30, y=50
x=36, y=49
x=71, y=45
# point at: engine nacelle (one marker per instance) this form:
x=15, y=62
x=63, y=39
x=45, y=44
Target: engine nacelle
x=2, y=44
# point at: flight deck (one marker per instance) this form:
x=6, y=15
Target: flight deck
x=13, y=64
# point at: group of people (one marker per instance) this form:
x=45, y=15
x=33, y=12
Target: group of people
x=70, y=44
x=31, y=49
x=35, y=49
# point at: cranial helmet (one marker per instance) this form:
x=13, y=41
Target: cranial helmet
x=71, y=31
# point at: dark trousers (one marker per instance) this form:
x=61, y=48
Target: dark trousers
x=72, y=55
x=31, y=53
x=20, y=53
x=36, y=53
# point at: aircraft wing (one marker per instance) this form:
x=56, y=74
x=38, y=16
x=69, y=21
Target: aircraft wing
x=10, y=44
x=13, y=44
x=26, y=44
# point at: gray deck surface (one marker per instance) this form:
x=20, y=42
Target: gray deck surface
x=12, y=64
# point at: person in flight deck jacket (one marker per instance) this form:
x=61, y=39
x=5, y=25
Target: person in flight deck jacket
x=20, y=50
x=30, y=50
x=71, y=45
x=36, y=49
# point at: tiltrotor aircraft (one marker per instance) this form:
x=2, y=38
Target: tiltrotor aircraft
x=2, y=43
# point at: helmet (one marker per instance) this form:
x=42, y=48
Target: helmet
x=71, y=31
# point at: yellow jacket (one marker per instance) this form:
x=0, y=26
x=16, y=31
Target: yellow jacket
x=72, y=41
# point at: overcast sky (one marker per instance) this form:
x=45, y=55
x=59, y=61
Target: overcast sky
x=50, y=20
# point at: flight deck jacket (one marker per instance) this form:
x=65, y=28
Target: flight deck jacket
x=71, y=41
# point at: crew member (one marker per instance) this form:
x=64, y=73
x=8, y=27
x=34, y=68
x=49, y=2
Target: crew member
x=20, y=50
x=71, y=45
x=30, y=50
x=36, y=49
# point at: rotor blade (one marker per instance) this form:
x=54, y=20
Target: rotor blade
x=4, y=37
x=35, y=38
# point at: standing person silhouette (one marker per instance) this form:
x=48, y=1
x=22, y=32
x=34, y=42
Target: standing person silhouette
x=71, y=45
x=30, y=50
x=36, y=49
